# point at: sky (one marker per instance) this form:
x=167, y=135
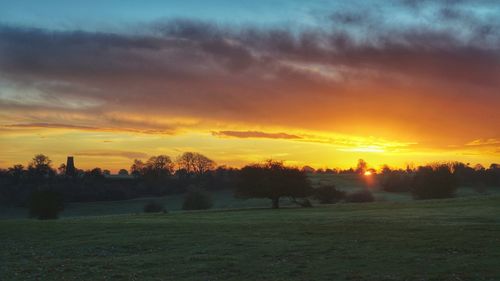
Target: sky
x=319, y=83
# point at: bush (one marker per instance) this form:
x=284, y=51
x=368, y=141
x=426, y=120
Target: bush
x=45, y=205
x=153, y=207
x=434, y=182
x=328, y=194
x=197, y=199
x=360, y=197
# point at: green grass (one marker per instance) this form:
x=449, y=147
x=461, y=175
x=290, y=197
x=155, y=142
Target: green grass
x=455, y=239
x=222, y=200
x=225, y=199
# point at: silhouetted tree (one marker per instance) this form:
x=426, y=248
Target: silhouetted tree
x=193, y=162
x=272, y=180
x=61, y=170
x=17, y=172
x=95, y=173
x=433, y=182
x=308, y=169
x=161, y=164
x=40, y=167
x=137, y=168
x=40, y=161
x=186, y=162
x=361, y=167
x=123, y=172
x=395, y=180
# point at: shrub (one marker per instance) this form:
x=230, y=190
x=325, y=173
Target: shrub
x=360, y=197
x=433, y=182
x=45, y=204
x=153, y=207
x=328, y=194
x=197, y=199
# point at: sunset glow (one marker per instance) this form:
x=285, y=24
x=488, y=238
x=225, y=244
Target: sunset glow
x=297, y=81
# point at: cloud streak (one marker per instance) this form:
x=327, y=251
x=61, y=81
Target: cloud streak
x=88, y=128
x=255, y=134
x=112, y=153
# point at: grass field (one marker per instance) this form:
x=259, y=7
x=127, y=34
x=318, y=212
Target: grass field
x=455, y=239
x=226, y=200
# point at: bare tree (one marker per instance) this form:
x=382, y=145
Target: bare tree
x=203, y=164
x=186, y=162
x=194, y=162
x=362, y=166
x=40, y=165
x=160, y=163
x=137, y=167
x=40, y=161
x=62, y=169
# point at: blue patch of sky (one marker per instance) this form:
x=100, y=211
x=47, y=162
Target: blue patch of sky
x=98, y=15
x=128, y=15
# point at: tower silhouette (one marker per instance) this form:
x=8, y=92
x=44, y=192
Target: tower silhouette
x=70, y=166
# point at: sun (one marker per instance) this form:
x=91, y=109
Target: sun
x=368, y=173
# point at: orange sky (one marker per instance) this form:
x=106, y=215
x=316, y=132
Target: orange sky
x=114, y=149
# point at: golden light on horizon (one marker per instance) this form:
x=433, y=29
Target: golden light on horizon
x=368, y=173
x=242, y=145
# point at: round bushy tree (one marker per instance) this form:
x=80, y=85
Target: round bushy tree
x=273, y=180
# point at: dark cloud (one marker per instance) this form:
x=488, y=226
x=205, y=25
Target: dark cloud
x=51, y=125
x=139, y=128
x=423, y=78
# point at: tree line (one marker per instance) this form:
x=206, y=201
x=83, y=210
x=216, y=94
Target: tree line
x=157, y=176
x=197, y=175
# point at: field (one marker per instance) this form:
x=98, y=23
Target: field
x=455, y=239
x=394, y=238
x=226, y=200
